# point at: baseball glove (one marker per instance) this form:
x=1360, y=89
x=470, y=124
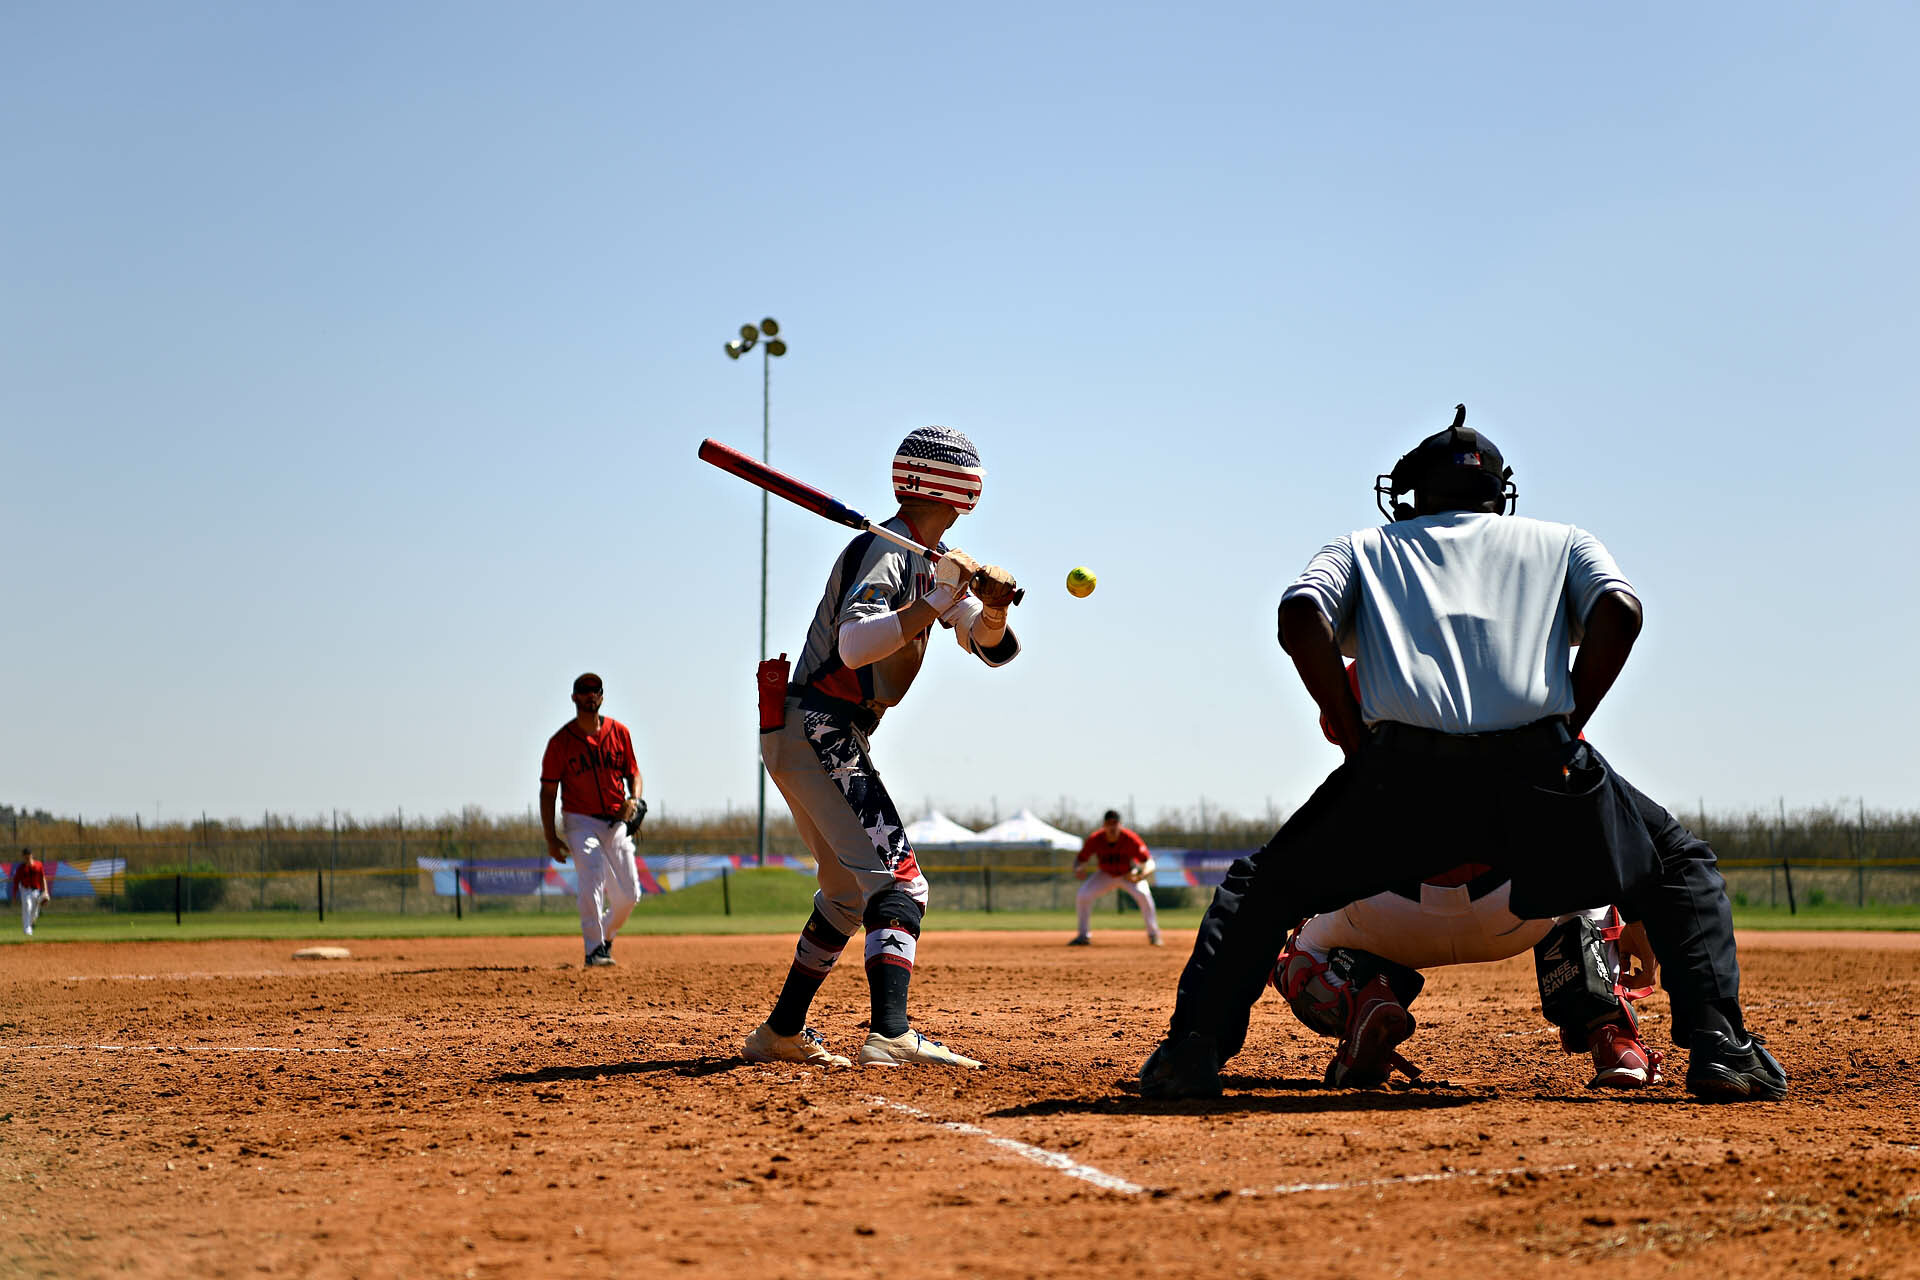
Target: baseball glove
x=639, y=816
x=994, y=587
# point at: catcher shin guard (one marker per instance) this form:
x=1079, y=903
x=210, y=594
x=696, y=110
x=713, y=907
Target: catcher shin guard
x=1321, y=992
x=1579, y=992
x=893, y=936
x=813, y=959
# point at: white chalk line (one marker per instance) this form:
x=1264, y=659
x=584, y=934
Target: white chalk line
x=1100, y=1178
x=1412, y=1179
x=1025, y=1150
x=195, y=1048
x=180, y=977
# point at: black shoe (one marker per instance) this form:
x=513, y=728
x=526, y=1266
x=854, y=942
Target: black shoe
x=1081, y=940
x=1721, y=1069
x=1187, y=1068
x=601, y=957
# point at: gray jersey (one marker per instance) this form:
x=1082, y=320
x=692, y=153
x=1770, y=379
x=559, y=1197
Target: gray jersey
x=874, y=577
x=1461, y=621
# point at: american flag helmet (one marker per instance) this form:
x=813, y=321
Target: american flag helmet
x=938, y=464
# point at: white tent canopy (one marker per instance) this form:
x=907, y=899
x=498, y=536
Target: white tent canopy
x=937, y=829
x=1024, y=828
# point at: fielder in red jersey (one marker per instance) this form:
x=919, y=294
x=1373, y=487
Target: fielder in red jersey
x=589, y=766
x=29, y=886
x=1123, y=863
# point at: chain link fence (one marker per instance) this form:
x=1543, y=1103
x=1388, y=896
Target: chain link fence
x=1815, y=860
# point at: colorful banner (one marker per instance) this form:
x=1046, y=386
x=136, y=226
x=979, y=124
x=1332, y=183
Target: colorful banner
x=70, y=879
x=1197, y=868
x=518, y=876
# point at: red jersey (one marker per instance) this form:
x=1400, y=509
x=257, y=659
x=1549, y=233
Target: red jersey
x=591, y=768
x=31, y=874
x=1116, y=856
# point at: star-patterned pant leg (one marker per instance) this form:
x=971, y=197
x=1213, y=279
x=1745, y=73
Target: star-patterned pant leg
x=843, y=796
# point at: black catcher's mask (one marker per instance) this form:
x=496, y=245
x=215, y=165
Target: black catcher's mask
x=1453, y=470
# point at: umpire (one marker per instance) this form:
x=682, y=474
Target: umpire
x=1464, y=747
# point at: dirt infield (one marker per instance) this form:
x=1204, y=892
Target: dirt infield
x=487, y=1108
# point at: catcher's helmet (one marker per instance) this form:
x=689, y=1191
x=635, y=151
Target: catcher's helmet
x=1458, y=466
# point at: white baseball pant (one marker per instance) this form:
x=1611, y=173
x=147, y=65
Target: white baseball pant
x=1100, y=884
x=1446, y=926
x=30, y=903
x=608, y=881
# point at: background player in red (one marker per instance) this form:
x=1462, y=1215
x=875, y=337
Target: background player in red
x=29, y=886
x=1123, y=863
x=590, y=766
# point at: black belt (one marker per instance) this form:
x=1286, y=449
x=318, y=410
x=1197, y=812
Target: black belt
x=1477, y=888
x=812, y=699
x=606, y=817
x=1396, y=736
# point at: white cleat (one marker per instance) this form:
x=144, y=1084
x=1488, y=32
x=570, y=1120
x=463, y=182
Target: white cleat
x=911, y=1049
x=766, y=1045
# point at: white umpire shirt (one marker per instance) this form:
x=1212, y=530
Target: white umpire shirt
x=1462, y=621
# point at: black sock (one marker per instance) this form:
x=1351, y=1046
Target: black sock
x=890, y=953
x=813, y=959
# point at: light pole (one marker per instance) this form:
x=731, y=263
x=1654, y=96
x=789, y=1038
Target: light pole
x=773, y=346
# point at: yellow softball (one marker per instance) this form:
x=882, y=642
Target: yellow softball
x=1080, y=582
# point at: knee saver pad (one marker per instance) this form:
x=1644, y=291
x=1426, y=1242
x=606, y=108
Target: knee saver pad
x=1577, y=991
x=893, y=908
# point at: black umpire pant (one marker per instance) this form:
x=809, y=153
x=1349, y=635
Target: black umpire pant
x=1534, y=802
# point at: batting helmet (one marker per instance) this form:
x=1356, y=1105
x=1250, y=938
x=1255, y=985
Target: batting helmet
x=1453, y=469
x=941, y=465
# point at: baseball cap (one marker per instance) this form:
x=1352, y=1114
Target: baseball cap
x=588, y=683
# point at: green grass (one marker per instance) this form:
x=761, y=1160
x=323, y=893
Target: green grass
x=761, y=901
x=1829, y=916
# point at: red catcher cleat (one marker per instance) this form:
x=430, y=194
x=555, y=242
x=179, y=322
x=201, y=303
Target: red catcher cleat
x=1366, y=1056
x=1620, y=1061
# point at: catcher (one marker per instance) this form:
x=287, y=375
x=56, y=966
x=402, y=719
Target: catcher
x=1124, y=863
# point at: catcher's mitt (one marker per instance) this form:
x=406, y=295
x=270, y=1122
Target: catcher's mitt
x=994, y=587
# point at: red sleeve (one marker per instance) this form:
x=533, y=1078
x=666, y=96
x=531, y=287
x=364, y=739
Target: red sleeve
x=1140, y=853
x=1353, y=682
x=1086, y=851
x=552, y=762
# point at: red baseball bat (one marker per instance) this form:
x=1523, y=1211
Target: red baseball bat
x=802, y=494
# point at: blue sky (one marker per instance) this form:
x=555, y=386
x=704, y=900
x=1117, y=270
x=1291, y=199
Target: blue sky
x=353, y=360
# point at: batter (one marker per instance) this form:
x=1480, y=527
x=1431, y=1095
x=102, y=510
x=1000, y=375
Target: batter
x=868, y=639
